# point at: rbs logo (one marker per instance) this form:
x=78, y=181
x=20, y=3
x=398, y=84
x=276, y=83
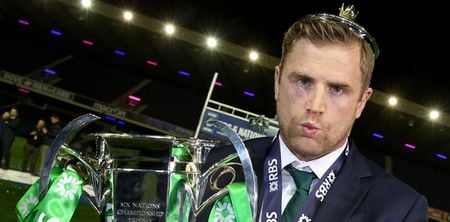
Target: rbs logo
x=273, y=175
x=271, y=217
x=325, y=186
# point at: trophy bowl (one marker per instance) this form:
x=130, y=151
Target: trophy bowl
x=138, y=178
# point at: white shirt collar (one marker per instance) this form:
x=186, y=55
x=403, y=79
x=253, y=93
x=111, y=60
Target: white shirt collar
x=318, y=166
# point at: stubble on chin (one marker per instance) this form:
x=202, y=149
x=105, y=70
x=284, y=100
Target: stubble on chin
x=304, y=148
x=303, y=151
x=294, y=143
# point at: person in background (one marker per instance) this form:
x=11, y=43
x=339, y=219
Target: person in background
x=12, y=123
x=2, y=133
x=312, y=170
x=31, y=148
x=52, y=131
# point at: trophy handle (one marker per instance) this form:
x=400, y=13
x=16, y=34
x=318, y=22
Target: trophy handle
x=64, y=136
x=207, y=175
x=247, y=167
x=93, y=174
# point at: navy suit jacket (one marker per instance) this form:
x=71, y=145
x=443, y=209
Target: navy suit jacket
x=362, y=191
x=2, y=132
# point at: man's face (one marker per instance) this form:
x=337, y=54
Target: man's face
x=54, y=119
x=318, y=97
x=40, y=124
x=13, y=112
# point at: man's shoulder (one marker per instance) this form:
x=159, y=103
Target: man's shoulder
x=259, y=144
x=381, y=182
x=57, y=125
x=381, y=191
x=391, y=181
x=389, y=185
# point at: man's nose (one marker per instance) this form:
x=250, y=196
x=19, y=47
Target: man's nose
x=316, y=101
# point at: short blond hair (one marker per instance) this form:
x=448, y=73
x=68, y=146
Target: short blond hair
x=321, y=31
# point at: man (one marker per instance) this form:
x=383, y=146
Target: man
x=50, y=133
x=31, y=148
x=321, y=88
x=12, y=123
x=2, y=133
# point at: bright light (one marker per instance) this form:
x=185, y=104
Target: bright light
x=23, y=90
x=377, y=135
x=442, y=156
x=86, y=3
x=169, y=29
x=127, y=15
x=153, y=63
x=253, y=55
x=55, y=32
x=87, y=42
x=135, y=98
x=212, y=42
x=392, y=101
x=24, y=22
x=247, y=93
x=184, y=73
x=118, y=52
x=411, y=146
x=49, y=71
x=434, y=114
x=110, y=118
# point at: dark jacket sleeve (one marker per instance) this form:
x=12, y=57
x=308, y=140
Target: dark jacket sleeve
x=418, y=211
x=2, y=131
x=13, y=124
x=54, y=130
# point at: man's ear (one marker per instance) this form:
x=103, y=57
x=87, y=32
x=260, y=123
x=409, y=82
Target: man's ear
x=276, y=81
x=362, y=103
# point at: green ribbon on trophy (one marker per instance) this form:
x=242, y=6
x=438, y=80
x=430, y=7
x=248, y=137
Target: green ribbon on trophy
x=180, y=153
x=233, y=207
x=58, y=204
x=174, y=206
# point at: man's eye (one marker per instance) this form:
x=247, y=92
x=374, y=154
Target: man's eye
x=337, y=90
x=304, y=82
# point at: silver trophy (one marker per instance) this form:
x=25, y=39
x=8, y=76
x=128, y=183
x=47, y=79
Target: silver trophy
x=144, y=177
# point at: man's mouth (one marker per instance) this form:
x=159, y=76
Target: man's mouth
x=309, y=129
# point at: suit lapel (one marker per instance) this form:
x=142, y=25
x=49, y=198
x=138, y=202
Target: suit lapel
x=258, y=152
x=348, y=191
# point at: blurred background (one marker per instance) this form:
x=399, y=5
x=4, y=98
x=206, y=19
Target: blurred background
x=148, y=67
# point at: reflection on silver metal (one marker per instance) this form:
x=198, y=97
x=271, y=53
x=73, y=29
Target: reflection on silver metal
x=140, y=174
x=247, y=167
x=129, y=171
x=65, y=136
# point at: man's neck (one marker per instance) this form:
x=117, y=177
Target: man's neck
x=318, y=166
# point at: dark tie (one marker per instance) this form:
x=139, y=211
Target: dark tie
x=303, y=181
